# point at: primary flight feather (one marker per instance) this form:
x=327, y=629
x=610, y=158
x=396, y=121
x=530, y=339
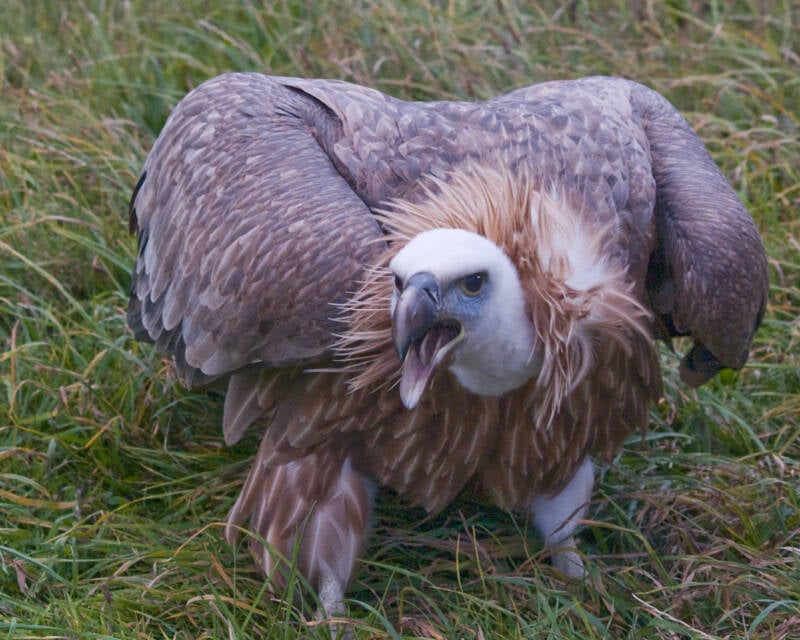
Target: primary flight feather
x=422, y=294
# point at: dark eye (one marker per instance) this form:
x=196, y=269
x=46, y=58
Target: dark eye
x=472, y=284
x=398, y=284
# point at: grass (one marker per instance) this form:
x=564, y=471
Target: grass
x=114, y=480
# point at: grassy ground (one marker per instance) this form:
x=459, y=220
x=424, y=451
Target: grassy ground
x=113, y=480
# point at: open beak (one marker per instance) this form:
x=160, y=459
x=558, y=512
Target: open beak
x=422, y=334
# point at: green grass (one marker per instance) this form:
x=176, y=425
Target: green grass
x=114, y=480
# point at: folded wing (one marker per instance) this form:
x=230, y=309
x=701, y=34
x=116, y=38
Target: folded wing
x=248, y=234
x=708, y=274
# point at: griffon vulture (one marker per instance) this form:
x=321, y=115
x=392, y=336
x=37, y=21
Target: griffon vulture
x=432, y=296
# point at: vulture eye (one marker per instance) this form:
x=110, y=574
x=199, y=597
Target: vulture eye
x=473, y=284
x=398, y=283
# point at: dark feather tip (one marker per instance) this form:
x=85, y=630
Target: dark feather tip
x=132, y=220
x=699, y=366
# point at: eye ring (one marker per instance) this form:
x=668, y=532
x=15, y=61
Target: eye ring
x=472, y=284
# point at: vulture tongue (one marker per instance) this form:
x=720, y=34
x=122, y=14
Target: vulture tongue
x=422, y=359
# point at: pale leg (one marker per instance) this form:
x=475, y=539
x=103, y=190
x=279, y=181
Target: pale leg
x=557, y=516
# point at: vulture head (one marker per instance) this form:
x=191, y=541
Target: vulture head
x=458, y=302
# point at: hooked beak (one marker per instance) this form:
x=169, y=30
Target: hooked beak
x=422, y=334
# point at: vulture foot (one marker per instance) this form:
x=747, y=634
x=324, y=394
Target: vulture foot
x=331, y=602
x=568, y=561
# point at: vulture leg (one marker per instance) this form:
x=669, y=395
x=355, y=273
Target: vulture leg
x=558, y=515
x=316, y=510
